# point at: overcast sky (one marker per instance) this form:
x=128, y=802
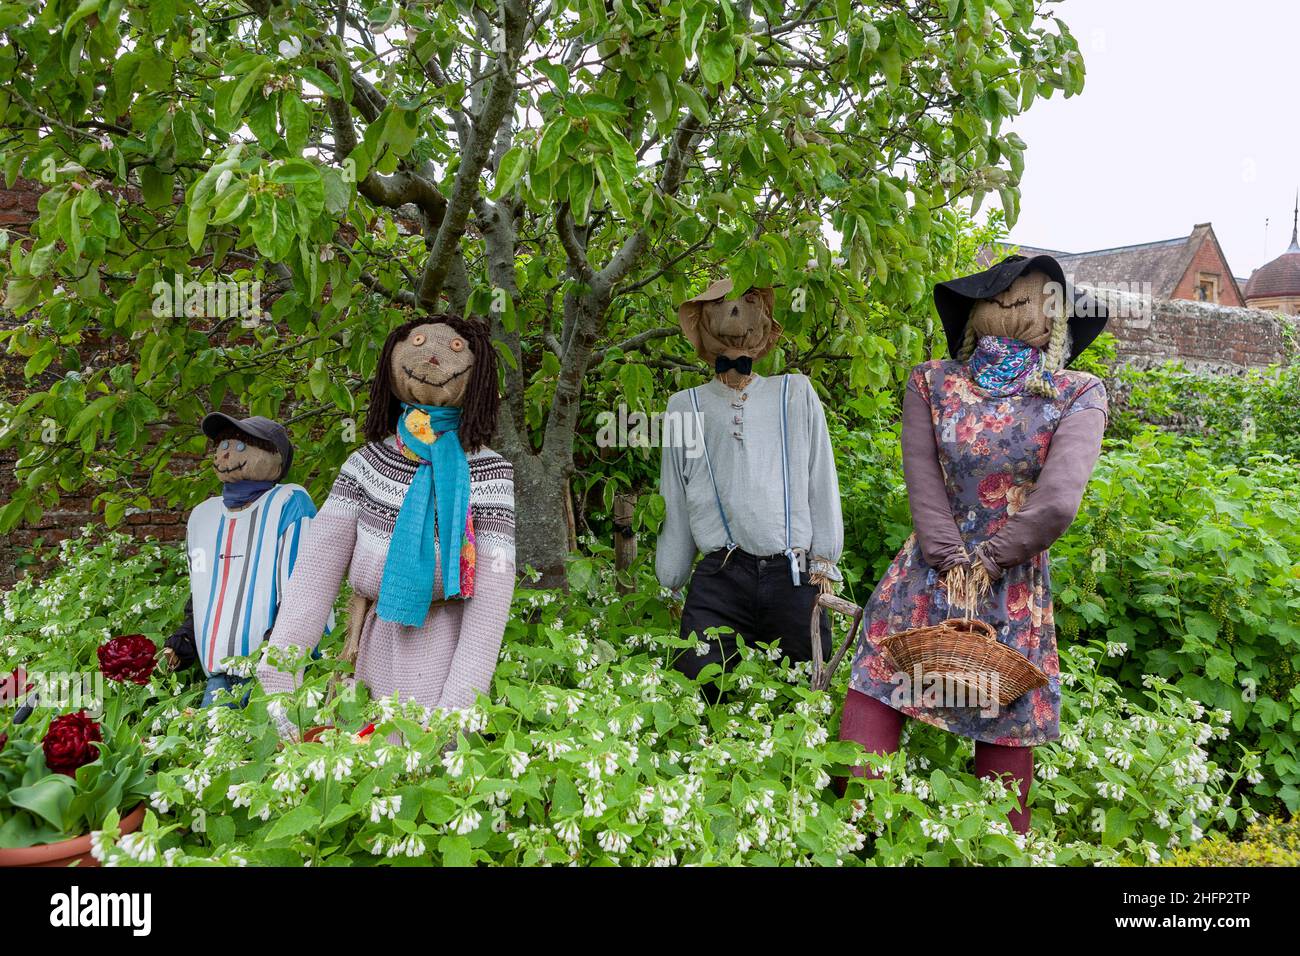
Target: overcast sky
x=1190, y=113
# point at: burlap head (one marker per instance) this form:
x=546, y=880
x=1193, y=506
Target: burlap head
x=691, y=316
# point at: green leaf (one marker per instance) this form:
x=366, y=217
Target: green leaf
x=300, y=818
x=48, y=798
x=321, y=81
x=196, y=225
x=548, y=148
x=512, y=167
x=455, y=850
x=297, y=122
x=661, y=97
x=891, y=61
x=718, y=60
x=694, y=102
x=156, y=186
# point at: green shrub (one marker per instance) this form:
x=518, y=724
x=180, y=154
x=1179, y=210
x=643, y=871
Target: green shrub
x=1270, y=842
x=1236, y=417
x=1192, y=570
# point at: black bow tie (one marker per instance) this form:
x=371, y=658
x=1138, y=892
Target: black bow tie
x=744, y=364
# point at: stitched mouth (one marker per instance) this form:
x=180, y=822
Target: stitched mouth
x=231, y=471
x=1011, y=305
x=454, y=375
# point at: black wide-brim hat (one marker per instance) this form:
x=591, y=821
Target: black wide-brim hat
x=258, y=427
x=955, y=299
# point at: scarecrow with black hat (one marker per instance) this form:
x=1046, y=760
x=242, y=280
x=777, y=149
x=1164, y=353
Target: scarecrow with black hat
x=242, y=547
x=752, y=486
x=998, y=445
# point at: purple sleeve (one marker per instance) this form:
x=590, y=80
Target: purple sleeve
x=1052, y=505
x=936, y=530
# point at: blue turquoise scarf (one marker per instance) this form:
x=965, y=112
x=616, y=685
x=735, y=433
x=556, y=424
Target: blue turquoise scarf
x=236, y=494
x=1001, y=365
x=436, y=501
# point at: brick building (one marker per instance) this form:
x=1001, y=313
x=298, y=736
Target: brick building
x=1276, y=285
x=1191, y=267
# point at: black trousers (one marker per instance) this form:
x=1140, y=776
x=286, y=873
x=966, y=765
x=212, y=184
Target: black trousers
x=755, y=598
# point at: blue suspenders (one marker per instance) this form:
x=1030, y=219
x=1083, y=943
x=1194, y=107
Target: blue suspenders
x=789, y=552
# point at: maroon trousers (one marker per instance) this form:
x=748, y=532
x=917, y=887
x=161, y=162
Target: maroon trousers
x=878, y=728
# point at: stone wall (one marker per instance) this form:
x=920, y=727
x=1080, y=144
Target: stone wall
x=1205, y=337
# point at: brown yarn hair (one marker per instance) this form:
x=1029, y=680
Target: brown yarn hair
x=478, y=412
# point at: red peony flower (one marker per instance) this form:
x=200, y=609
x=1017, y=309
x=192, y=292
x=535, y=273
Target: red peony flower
x=70, y=743
x=131, y=657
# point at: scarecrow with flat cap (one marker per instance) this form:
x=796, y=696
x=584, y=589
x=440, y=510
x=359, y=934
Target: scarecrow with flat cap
x=242, y=546
x=755, y=492
x=999, y=442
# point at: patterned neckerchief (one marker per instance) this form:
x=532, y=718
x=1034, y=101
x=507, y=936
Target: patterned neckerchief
x=410, y=455
x=1001, y=365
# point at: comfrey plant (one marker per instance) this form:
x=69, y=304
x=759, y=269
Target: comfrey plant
x=593, y=750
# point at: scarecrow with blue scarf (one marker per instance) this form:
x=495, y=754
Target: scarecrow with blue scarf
x=420, y=522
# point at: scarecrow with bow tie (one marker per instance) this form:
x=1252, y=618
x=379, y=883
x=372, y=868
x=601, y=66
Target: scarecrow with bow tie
x=754, y=490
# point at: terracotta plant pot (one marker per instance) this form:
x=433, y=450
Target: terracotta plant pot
x=67, y=852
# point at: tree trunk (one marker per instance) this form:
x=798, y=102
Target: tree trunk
x=542, y=524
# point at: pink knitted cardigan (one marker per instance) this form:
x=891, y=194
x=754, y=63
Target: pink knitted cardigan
x=451, y=657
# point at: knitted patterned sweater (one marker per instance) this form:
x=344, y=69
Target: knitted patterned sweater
x=452, y=655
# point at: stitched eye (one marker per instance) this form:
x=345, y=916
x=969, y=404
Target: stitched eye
x=457, y=345
x=417, y=338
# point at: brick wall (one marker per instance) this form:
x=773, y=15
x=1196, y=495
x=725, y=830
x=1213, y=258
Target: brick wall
x=1202, y=335
x=75, y=511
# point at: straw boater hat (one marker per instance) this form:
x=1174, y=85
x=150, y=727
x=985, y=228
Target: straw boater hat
x=691, y=312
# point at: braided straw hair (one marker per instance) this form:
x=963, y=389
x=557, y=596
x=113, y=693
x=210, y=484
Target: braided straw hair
x=1054, y=356
x=969, y=338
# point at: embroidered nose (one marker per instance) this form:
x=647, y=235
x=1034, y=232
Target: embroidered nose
x=433, y=360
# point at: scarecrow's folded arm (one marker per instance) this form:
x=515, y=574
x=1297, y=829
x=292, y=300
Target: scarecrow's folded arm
x=675, y=547
x=482, y=625
x=1051, y=506
x=824, y=509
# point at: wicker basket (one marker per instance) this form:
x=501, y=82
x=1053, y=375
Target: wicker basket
x=957, y=649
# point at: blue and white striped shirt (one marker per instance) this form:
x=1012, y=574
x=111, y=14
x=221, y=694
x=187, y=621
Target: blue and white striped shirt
x=240, y=562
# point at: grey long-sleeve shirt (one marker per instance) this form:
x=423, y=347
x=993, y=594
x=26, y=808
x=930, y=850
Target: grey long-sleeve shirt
x=749, y=476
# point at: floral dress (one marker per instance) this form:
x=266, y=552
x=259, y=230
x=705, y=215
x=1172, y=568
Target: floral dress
x=991, y=450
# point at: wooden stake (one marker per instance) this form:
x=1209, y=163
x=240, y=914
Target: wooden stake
x=624, y=537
